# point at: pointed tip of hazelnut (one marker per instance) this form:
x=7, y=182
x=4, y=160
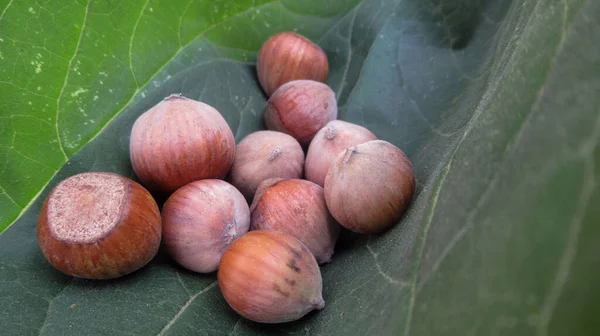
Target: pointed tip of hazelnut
x=275, y=153
x=320, y=304
x=326, y=258
x=330, y=133
x=349, y=154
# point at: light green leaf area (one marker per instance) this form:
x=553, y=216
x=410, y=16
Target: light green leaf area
x=495, y=102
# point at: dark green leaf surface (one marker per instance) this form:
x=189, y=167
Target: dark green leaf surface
x=495, y=102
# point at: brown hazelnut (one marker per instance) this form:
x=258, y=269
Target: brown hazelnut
x=296, y=207
x=99, y=226
x=289, y=56
x=270, y=277
x=301, y=108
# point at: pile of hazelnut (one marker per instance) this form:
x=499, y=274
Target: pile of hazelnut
x=270, y=225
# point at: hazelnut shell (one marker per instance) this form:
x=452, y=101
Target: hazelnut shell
x=270, y=277
x=178, y=141
x=288, y=56
x=200, y=220
x=332, y=139
x=301, y=108
x=369, y=187
x=296, y=207
x=99, y=226
x=262, y=155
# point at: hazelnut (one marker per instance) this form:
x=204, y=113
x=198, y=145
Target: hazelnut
x=301, y=108
x=296, y=207
x=336, y=136
x=289, y=56
x=178, y=141
x=262, y=155
x=270, y=277
x=369, y=186
x=99, y=226
x=200, y=220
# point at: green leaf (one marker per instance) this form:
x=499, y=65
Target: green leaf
x=495, y=102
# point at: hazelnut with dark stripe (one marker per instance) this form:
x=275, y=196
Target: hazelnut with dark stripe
x=99, y=226
x=270, y=277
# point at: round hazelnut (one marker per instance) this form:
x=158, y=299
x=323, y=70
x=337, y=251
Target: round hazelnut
x=200, y=220
x=369, y=186
x=178, y=141
x=298, y=208
x=99, y=226
x=262, y=155
x=301, y=108
x=270, y=277
x=336, y=136
x=289, y=56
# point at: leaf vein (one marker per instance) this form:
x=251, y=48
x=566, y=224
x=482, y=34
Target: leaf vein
x=235, y=326
x=181, y=22
x=570, y=251
x=135, y=26
x=421, y=246
x=10, y=198
x=182, y=284
x=33, y=160
x=62, y=90
x=45, y=322
x=5, y=9
x=185, y=306
x=380, y=270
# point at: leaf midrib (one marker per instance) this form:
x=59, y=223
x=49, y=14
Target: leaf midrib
x=508, y=150
x=489, y=92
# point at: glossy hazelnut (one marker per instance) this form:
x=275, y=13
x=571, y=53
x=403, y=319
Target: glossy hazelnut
x=369, y=186
x=270, y=277
x=301, y=108
x=335, y=137
x=99, y=226
x=262, y=155
x=200, y=220
x=289, y=56
x=178, y=141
